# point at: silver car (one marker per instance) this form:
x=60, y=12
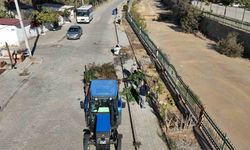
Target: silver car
x=74, y=32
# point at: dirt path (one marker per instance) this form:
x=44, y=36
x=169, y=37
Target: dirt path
x=222, y=83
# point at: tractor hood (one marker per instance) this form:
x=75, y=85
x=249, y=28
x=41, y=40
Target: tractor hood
x=103, y=123
x=104, y=88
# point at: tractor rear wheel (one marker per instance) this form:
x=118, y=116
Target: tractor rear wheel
x=86, y=137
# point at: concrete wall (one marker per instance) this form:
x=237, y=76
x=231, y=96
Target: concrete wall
x=217, y=31
x=29, y=32
x=14, y=36
x=8, y=34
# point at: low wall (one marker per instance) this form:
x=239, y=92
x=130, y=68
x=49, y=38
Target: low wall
x=216, y=31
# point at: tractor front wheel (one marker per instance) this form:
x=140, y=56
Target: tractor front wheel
x=118, y=144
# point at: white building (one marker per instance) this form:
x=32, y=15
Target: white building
x=11, y=32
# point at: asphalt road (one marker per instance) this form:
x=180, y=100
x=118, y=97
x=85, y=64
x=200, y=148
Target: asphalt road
x=232, y=12
x=45, y=114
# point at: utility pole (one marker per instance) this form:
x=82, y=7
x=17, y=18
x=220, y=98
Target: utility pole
x=22, y=26
x=82, y=2
x=130, y=2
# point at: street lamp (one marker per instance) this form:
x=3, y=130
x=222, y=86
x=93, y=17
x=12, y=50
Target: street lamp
x=22, y=26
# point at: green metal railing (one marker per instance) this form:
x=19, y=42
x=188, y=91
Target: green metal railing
x=208, y=127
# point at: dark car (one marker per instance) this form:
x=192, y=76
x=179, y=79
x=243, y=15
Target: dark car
x=74, y=32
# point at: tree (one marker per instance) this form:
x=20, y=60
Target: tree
x=209, y=2
x=3, y=14
x=190, y=20
x=186, y=16
x=226, y=3
x=246, y=4
x=45, y=16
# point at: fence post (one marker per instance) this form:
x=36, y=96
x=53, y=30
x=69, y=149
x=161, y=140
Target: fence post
x=200, y=116
x=224, y=143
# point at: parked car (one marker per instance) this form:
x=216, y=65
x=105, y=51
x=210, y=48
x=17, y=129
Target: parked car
x=74, y=32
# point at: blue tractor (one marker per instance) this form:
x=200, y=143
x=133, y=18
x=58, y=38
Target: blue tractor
x=103, y=108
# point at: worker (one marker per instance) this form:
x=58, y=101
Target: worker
x=144, y=89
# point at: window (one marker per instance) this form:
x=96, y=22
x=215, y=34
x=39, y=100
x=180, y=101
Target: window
x=95, y=104
x=83, y=13
x=73, y=29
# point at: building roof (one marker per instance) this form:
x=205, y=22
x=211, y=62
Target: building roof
x=104, y=88
x=13, y=22
x=85, y=7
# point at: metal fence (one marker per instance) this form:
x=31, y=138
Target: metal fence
x=245, y=26
x=207, y=126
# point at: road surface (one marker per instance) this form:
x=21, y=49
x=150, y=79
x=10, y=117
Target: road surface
x=44, y=113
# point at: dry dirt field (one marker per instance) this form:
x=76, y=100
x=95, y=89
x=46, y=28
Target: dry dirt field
x=222, y=83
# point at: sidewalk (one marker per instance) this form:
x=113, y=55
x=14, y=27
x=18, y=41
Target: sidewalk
x=222, y=83
x=148, y=134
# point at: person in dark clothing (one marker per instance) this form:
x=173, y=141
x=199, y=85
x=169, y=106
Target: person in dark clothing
x=144, y=89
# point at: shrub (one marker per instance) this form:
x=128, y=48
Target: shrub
x=186, y=16
x=190, y=20
x=137, y=77
x=3, y=14
x=230, y=46
x=125, y=8
x=104, y=71
x=45, y=16
x=131, y=93
x=65, y=13
x=140, y=21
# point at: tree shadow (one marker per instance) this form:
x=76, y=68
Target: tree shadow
x=166, y=17
x=126, y=72
x=135, y=95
